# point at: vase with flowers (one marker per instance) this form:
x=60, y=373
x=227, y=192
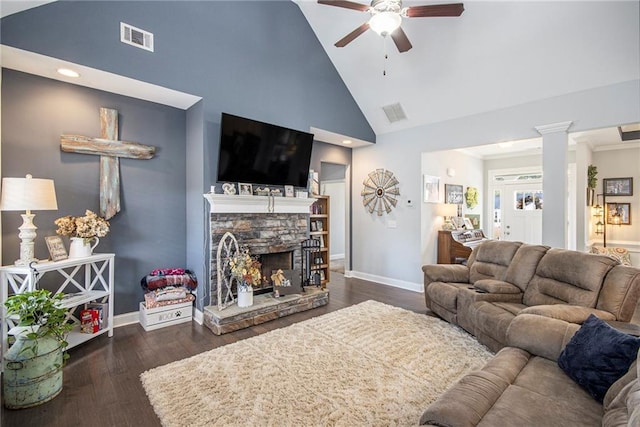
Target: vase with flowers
x=83, y=231
x=245, y=268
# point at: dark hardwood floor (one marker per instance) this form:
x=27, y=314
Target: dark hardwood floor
x=101, y=380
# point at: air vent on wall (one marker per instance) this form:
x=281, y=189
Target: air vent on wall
x=394, y=112
x=136, y=37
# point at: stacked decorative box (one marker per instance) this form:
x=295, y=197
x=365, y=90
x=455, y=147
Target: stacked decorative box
x=168, y=298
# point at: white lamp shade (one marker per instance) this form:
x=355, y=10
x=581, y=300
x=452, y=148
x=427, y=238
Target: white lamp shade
x=446, y=209
x=385, y=23
x=28, y=194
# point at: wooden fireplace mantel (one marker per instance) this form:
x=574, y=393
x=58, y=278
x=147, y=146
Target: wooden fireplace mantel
x=221, y=203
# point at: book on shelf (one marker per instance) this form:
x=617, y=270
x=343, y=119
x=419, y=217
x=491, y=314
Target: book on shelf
x=89, y=321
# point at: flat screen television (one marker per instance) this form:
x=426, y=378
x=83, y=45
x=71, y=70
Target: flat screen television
x=261, y=153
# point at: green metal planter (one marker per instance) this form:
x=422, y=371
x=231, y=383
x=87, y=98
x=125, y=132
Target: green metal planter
x=29, y=379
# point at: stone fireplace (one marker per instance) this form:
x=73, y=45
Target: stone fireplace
x=273, y=228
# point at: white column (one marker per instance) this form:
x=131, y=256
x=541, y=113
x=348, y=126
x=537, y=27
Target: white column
x=554, y=183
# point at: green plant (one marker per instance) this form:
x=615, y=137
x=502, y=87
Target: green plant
x=41, y=315
x=592, y=176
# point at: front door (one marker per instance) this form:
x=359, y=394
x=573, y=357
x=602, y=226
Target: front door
x=522, y=212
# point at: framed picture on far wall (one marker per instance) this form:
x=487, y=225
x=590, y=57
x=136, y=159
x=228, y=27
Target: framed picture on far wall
x=431, y=187
x=453, y=194
x=618, y=186
x=621, y=210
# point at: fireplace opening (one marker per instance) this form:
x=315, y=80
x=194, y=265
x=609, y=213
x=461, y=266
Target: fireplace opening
x=272, y=262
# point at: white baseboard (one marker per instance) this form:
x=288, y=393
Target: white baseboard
x=198, y=316
x=410, y=286
x=336, y=256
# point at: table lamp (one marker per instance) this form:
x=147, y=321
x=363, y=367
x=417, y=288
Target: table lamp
x=447, y=211
x=27, y=194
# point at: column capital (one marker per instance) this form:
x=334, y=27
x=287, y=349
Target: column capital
x=553, y=127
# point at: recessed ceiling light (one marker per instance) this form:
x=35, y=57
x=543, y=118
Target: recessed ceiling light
x=67, y=72
x=346, y=141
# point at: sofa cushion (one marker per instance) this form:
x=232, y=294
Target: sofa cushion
x=565, y=276
x=568, y=313
x=493, y=319
x=620, y=292
x=597, y=356
x=493, y=286
x=491, y=259
x=445, y=294
x=523, y=265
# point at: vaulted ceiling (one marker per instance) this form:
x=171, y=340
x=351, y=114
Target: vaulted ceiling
x=497, y=54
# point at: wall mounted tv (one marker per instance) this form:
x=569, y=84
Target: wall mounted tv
x=260, y=153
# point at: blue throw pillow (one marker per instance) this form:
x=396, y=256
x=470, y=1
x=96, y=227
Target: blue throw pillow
x=597, y=356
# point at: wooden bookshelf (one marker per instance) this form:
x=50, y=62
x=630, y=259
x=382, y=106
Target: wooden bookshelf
x=319, y=229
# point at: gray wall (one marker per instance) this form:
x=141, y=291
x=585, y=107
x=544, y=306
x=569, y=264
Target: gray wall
x=150, y=230
x=254, y=59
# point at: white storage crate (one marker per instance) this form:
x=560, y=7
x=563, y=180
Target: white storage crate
x=159, y=317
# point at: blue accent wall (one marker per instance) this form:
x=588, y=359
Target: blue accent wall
x=150, y=230
x=256, y=59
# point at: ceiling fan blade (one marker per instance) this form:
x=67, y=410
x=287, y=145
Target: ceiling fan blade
x=401, y=40
x=352, y=35
x=346, y=4
x=454, y=9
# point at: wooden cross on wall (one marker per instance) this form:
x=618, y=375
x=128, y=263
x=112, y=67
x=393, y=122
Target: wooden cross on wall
x=110, y=150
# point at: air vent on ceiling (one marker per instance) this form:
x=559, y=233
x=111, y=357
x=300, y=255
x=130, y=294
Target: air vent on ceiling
x=394, y=112
x=136, y=37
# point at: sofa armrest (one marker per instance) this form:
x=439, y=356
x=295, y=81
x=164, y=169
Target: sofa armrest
x=445, y=273
x=540, y=335
x=568, y=313
x=493, y=286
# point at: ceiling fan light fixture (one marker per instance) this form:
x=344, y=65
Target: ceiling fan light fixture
x=385, y=23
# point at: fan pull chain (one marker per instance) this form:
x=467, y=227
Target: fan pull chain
x=386, y=56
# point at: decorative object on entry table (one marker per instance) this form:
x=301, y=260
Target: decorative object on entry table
x=27, y=194
x=592, y=183
x=245, y=268
x=471, y=197
x=618, y=186
x=33, y=364
x=82, y=230
x=380, y=191
x=57, y=251
x=431, y=188
x=110, y=150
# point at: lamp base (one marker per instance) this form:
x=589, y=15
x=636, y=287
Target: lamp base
x=27, y=236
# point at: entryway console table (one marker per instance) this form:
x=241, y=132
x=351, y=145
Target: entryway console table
x=84, y=280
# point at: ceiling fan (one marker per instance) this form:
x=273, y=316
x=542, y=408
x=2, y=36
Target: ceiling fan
x=386, y=17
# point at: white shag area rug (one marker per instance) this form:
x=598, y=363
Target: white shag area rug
x=369, y=364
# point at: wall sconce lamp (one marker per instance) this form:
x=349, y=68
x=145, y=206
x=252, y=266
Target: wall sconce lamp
x=446, y=210
x=27, y=194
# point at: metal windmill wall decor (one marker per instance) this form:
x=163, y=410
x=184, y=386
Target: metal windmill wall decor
x=380, y=191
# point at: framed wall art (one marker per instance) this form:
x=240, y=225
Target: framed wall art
x=453, y=194
x=618, y=186
x=622, y=210
x=431, y=188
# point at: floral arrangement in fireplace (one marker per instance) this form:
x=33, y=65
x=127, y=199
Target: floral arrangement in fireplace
x=246, y=269
x=86, y=227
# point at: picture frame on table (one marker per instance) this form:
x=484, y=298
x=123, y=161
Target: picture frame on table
x=458, y=222
x=245, y=189
x=618, y=186
x=56, y=248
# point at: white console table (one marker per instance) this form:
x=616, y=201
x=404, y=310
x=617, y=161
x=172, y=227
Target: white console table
x=83, y=280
